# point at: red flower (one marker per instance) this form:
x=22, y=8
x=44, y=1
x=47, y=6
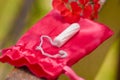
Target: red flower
x=65, y=1
x=72, y=11
x=72, y=15
x=96, y=10
x=96, y=7
x=59, y=5
x=95, y=1
x=83, y=2
x=75, y=8
x=87, y=12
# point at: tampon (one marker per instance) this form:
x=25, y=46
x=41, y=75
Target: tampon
x=64, y=36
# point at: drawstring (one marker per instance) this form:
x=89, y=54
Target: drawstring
x=71, y=74
x=60, y=40
x=61, y=53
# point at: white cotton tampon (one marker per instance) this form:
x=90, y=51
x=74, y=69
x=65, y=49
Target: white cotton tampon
x=68, y=33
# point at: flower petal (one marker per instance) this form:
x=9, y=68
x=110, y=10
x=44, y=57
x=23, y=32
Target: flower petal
x=75, y=8
x=87, y=12
x=83, y=2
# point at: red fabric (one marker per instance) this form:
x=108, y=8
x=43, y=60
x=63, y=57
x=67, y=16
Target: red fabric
x=24, y=53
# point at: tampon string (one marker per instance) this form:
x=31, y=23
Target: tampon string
x=59, y=41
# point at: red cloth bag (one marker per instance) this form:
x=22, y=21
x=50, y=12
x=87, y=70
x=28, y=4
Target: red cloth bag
x=24, y=52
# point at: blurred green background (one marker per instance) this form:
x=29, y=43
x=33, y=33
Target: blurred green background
x=17, y=16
